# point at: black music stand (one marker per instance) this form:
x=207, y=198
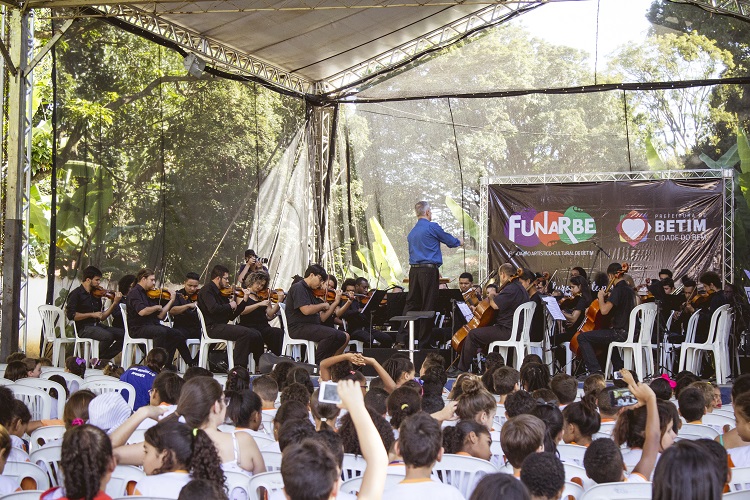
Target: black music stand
x=375, y=299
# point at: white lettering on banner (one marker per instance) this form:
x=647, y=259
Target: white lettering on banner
x=679, y=225
x=572, y=228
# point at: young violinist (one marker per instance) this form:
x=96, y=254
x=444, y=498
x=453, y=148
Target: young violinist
x=340, y=302
x=529, y=281
x=707, y=303
x=220, y=308
x=574, y=308
x=124, y=285
x=85, y=307
x=145, y=315
x=511, y=295
x=260, y=309
x=184, y=317
x=617, y=307
x=357, y=324
x=304, y=310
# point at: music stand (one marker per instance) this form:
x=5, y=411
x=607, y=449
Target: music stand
x=376, y=298
x=411, y=317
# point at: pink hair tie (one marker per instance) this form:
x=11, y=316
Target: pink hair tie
x=77, y=421
x=672, y=383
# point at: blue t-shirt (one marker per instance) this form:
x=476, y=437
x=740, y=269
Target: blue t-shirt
x=142, y=379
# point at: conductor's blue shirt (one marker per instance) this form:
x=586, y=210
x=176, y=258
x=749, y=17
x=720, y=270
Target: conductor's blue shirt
x=424, y=242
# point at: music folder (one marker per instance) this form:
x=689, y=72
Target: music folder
x=376, y=299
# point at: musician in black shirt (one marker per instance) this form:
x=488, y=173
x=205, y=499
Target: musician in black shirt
x=357, y=324
x=184, y=317
x=87, y=312
x=259, y=311
x=124, y=285
x=218, y=310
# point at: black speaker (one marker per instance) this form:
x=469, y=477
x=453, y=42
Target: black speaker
x=382, y=354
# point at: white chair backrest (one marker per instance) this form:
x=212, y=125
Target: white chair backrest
x=97, y=378
x=202, y=321
x=38, y=401
x=733, y=495
x=618, y=491
x=238, y=485
x=462, y=472
x=740, y=479
x=703, y=431
x=48, y=458
x=22, y=470
x=271, y=481
x=138, y=436
x=124, y=311
x=53, y=320
x=93, y=372
x=24, y=495
x=352, y=486
x=282, y=314
x=692, y=327
x=262, y=442
x=353, y=466
x=571, y=490
x=571, y=453
x=648, y=319
x=522, y=326
x=69, y=377
x=123, y=480
x=48, y=369
x=717, y=419
x=573, y=471
x=633, y=321
x=45, y=435
x=46, y=385
x=5, y=381
x=272, y=459
x=101, y=386
x=723, y=324
x=718, y=323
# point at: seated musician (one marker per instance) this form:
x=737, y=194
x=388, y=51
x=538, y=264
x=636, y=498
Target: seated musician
x=260, y=310
x=715, y=299
x=123, y=286
x=511, y=295
x=491, y=290
x=145, y=316
x=579, y=271
x=357, y=324
x=617, y=308
x=341, y=304
x=681, y=316
x=664, y=274
x=575, y=307
x=89, y=315
x=304, y=310
x=529, y=281
x=184, y=317
x=218, y=310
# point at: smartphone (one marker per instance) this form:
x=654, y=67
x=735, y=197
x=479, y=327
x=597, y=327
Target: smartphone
x=329, y=393
x=621, y=397
x=617, y=375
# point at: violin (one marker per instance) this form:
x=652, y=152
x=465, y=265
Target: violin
x=570, y=302
x=159, y=294
x=265, y=294
x=193, y=297
x=101, y=292
x=471, y=296
x=542, y=277
x=232, y=292
x=701, y=299
x=325, y=294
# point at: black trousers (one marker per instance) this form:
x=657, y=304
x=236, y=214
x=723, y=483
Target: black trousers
x=110, y=339
x=167, y=338
x=478, y=339
x=384, y=338
x=329, y=339
x=587, y=341
x=189, y=332
x=246, y=341
x=422, y=296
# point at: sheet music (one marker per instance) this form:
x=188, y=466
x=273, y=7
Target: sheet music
x=465, y=310
x=554, y=308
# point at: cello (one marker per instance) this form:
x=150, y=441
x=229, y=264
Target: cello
x=594, y=319
x=484, y=314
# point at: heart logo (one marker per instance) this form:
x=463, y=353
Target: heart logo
x=634, y=228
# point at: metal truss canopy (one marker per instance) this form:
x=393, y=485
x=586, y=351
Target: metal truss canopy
x=735, y=8
x=727, y=175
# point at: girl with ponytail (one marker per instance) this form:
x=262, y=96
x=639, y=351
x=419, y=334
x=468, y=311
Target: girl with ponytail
x=325, y=414
x=581, y=421
x=175, y=454
x=402, y=402
x=468, y=438
x=476, y=403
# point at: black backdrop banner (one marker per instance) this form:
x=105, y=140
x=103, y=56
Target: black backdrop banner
x=654, y=224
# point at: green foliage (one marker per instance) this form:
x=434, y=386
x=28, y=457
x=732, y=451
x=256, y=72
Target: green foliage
x=470, y=227
x=380, y=264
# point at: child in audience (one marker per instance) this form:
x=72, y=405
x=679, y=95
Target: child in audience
x=75, y=365
x=630, y=430
x=731, y=439
x=7, y=484
x=376, y=399
x=166, y=393
x=433, y=381
x=16, y=370
x=295, y=392
x=87, y=464
x=238, y=379
x=505, y=381
x=280, y=372
x=455, y=391
x=267, y=388
x=292, y=410
x=76, y=410
x=116, y=371
x=310, y=470
x=142, y=377
x=692, y=405
x=432, y=360
x=295, y=431
x=534, y=376
x=299, y=375
x=244, y=411
x=684, y=472
x=419, y=444
x=708, y=394
x=545, y=395
x=565, y=388
x=53, y=392
x=476, y=403
x=19, y=425
x=661, y=388
x=603, y=461
x=607, y=412
x=402, y=403
x=741, y=455
x=521, y=436
x=108, y=411
x=593, y=383
x=33, y=367
x=205, y=490
x=399, y=368
x=717, y=395
x=684, y=379
x=518, y=403
x=196, y=371
x=173, y=455
x=500, y=486
x=550, y=414
x=15, y=356
x=349, y=437
x=324, y=413
x=543, y=474
x=492, y=362
x=468, y=438
x=582, y=421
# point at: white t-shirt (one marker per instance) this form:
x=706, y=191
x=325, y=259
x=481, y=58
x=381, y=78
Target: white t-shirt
x=423, y=488
x=631, y=457
x=8, y=485
x=167, y=485
x=740, y=456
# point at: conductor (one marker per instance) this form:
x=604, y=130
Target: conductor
x=425, y=260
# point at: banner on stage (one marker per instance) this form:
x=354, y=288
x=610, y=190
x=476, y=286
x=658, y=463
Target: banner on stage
x=655, y=224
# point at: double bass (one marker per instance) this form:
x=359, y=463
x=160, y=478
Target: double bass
x=594, y=318
x=484, y=314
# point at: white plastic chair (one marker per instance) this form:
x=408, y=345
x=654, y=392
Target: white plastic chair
x=45, y=435
x=5, y=381
x=38, y=401
x=271, y=481
x=85, y=348
x=45, y=385
x=48, y=458
x=124, y=478
x=53, y=320
x=571, y=453
x=353, y=466
x=716, y=342
x=734, y=495
x=129, y=345
x=101, y=386
x=719, y=420
x=207, y=341
x=352, y=486
x=69, y=377
x=462, y=472
x=687, y=431
x=24, y=495
x=571, y=490
x=262, y=442
x=618, y=491
x=93, y=372
x=573, y=472
x=669, y=349
x=290, y=346
x=635, y=352
x=138, y=436
x=519, y=337
x=740, y=479
x=22, y=470
x=272, y=459
x=539, y=348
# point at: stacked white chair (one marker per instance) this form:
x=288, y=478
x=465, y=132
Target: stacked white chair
x=130, y=350
x=697, y=431
x=272, y=459
x=352, y=486
x=123, y=480
x=618, y=491
x=45, y=435
x=53, y=320
x=85, y=348
x=636, y=353
x=740, y=479
x=519, y=337
x=571, y=453
x=716, y=343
